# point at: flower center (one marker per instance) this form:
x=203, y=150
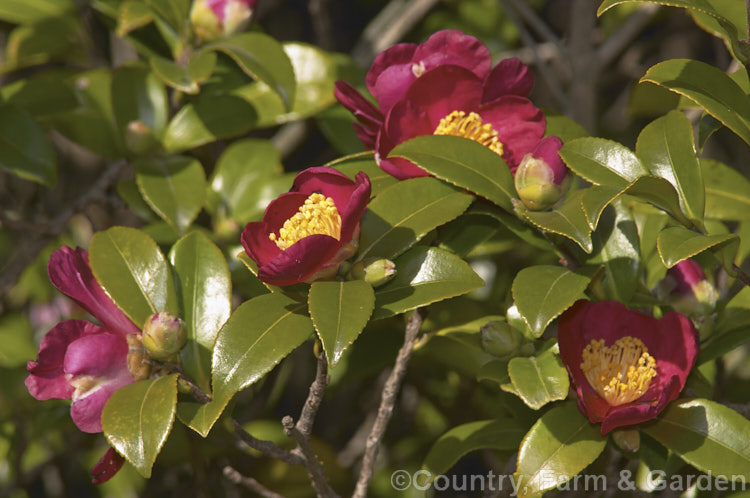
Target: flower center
x=620, y=373
x=459, y=124
x=318, y=215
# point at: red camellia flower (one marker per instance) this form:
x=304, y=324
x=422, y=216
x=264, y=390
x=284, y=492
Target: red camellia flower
x=82, y=361
x=625, y=366
x=445, y=87
x=307, y=233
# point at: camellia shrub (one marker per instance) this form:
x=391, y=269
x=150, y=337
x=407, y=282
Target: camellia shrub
x=468, y=293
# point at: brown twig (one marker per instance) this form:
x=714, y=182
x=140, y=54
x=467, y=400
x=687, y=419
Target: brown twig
x=268, y=448
x=311, y=462
x=741, y=275
x=314, y=398
x=387, y=402
x=583, y=65
x=248, y=482
x=321, y=21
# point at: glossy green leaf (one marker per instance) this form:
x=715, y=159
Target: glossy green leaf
x=25, y=149
x=539, y=380
x=206, y=119
x=173, y=12
x=666, y=147
x=258, y=335
x=709, y=436
x=137, y=95
x=464, y=163
x=707, y=86
x=132, y=270
x=616, y=248
x=602, y=162
x=496, y=371
x=563, y=127
x=567, y=220
x=204, y=292
x=497, y=434
x=676, y=244
x=522, y=230
x=138, y=418
x=729, y=28
x=735, y=315
x=48, y=40
x=174, y=187
x=340, y=311
x=402, y=214
x=131, y=15
x=128, y=192
x=365, y=162
x=424, y=275
x=727, y=192
x=202, y=417
x=560, y=445
x=262, y=58
x=186, y=78
x=241, y=178
x=315, y=74
x=542, y=293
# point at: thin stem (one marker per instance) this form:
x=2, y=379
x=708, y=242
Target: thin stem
x=387, y=402
x=314, y=398
x=248, y=482
x=268, y=448
x=624, y=36
x=321, y=21
x=741, y=275
x=311, y=461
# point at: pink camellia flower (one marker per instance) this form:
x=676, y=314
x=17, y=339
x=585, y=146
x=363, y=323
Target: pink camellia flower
x=401, y=67
x=693, y=292
x=625, y=366
x=307, y=233
x=214, y=19
x=451, y=100
x=542, y=177
x=79, y=360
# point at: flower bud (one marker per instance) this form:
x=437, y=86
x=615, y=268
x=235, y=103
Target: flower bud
x=139, y=138
x=693, y=293
x=215, y=19
x=628, y=440
x=139, y=364
x=163, y=335
x=542, y=178
x=500, y=339
x=374, y=271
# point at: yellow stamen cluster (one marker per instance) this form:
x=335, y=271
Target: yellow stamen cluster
x=318, y=215
x=458, y=124
x=620, y=373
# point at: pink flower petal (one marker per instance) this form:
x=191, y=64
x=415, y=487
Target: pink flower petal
x=401, y=53
x=452, y=47
x=70, y=272
x=300, y=261
x=508, y=77
x=46, y=378
x=519, y=125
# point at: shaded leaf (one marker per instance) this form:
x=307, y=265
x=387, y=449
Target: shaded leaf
x=25, y=149
x=539, y=380
x=676, y=244
x=727, y=192
x=567, y=220
x=202, y=417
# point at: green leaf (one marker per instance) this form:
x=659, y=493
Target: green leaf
x=128, y=192
x=173, y=12
x=497, y=434
x=707, y=435
x=602, y=162
x=262, y=58
x=517, y=227
x=258, y=335
x=206, y=119
x=340, y=311
x=567, y=220
x=49, y=40
x=204, y=292
x=202, y=417
x=32, y=11
x=496, y=371
x=464, y=163
x=540, y=380
x=16, y=336
x=727, y=192
x=543, y=292
x=560, y=445
x=132, y=270
x=185, y=78
x=137, y=419
x=402, y=214
x=137, y=95
x=42, y=96
x=241, y=178
x=729, y=28
x=667, y=149
x=365, y=162
x=707, y=86
x=25, y=149
x=616, y=247
x=676, y=244
x=563, y=127
x=424, y=275
x=131, y=15
x=174, y=187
